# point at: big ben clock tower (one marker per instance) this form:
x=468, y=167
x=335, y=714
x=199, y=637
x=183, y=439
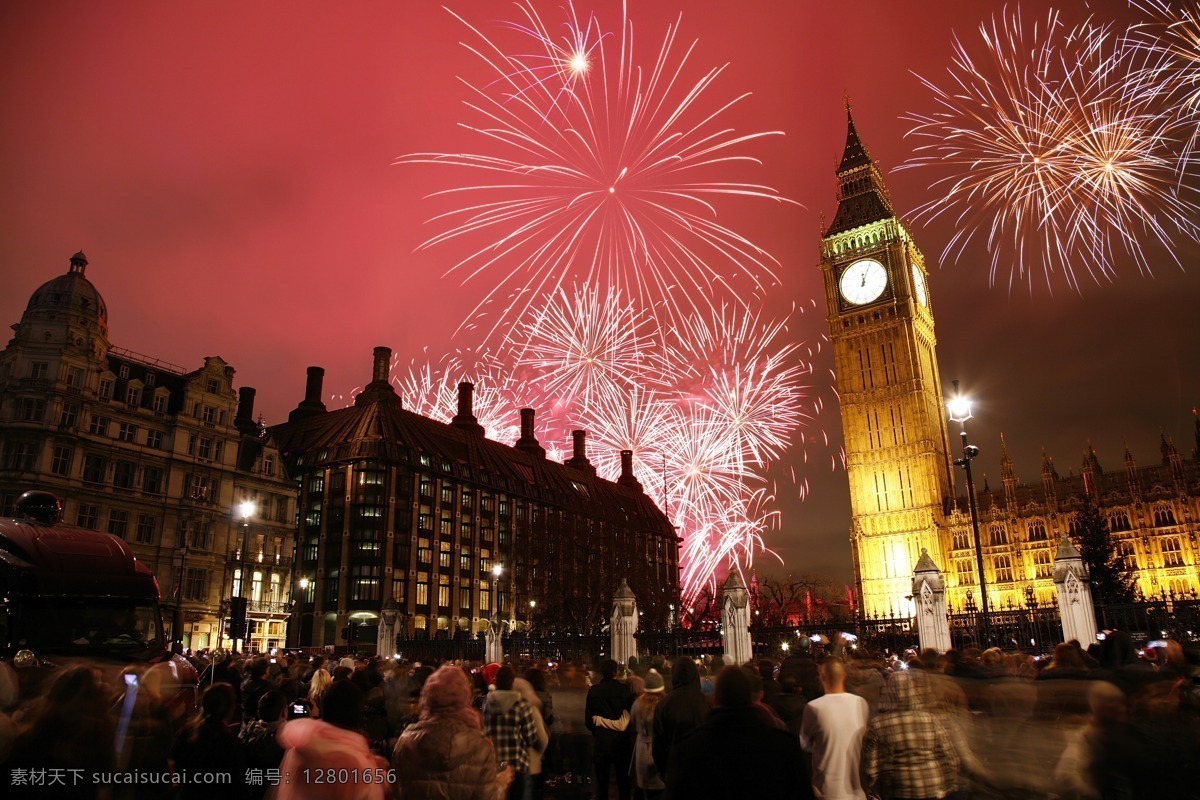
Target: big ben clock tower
x=881, y=328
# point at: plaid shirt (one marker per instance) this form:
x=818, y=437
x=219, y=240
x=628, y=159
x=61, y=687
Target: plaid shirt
x=907, y=752
x=511, y=727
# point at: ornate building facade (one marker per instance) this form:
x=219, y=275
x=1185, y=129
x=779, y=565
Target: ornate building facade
x=396, y=507
x=149, y=452
x=898, y=457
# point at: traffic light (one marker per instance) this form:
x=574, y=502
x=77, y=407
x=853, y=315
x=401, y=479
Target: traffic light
x=237, y=618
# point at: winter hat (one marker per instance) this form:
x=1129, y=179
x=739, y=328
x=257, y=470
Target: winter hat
x=654, y=682
x=347, y=662
x=447, y=693
x=489, y=673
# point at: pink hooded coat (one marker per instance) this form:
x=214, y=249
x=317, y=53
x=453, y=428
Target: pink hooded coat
x=317, y=746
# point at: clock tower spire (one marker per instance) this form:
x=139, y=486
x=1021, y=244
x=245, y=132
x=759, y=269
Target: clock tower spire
x=882, y=329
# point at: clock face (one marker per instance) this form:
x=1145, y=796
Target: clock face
x=863, y=281
x=919, y=285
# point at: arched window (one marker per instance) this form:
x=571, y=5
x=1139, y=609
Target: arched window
x=1118, y=520
x=998, y=534
x=1003, y=570
x=1043, y=565
x=1163, y=516
x=1171, y=555
x=1037, y=531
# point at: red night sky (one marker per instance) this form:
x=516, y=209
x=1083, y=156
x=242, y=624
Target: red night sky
x=227, y=168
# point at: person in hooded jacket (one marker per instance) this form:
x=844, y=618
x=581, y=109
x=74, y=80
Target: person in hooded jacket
x=536, y=788
x=680, y=712
x=444, y=755
x=319, y=749
x=509, y=721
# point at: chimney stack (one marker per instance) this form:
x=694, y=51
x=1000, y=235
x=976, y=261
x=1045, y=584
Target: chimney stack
x=379, y=389
x=579, y=459
x=465, y=418
x=312, y=388
x=383, y=362
x=627, y=478
x=244, y=419
x=528, y=441
x=312, y=396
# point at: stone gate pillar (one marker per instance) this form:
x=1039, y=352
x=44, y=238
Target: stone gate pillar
x=929, y=597
x=624, y=624
x=735, y=616
x=385, y=639
x=1074, y=587
x=494, y=640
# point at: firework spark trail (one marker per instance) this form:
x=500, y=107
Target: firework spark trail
x=1170, y=39
x=1054, y=151
x=753, y=384
x=585, y=343
x=638, y=419
x=620, y=303
x=430, y=388
x=603, y=171
x=729, y=541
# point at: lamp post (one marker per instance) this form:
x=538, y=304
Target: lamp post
x=245, y=510
x=959, y=408
x=497, y=571
x=177, y=615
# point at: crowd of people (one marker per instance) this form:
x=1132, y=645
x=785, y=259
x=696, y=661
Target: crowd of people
x=834, y=722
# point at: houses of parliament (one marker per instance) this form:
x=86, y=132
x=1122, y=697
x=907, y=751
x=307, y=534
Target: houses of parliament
x=899, y=455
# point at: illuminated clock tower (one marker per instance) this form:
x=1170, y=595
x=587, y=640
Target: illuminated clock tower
x=881, y=328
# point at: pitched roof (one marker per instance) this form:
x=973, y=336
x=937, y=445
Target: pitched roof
x=855, y=154
x=381, y=429
x=862, y=196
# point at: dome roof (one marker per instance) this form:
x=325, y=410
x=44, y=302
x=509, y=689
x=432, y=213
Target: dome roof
x=72, y=291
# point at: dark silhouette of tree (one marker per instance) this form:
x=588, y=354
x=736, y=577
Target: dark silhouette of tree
x=799, y=599
x=1112, y=577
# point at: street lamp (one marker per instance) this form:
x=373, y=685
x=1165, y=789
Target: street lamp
x=245, y=511
x=497, y=571
x=959, y=408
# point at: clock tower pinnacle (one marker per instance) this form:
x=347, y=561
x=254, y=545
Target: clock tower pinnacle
x=882, y=330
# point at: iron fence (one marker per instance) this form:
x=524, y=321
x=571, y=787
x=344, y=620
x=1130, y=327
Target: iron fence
x=1034, y=628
